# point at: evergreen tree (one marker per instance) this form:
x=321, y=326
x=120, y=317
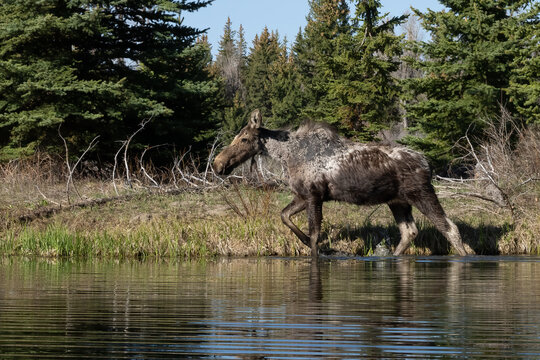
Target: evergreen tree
x=265, y=51
x=467, y=71
x=241, y=48
x=231, y=66
x=229, y=62
x=363, y=84
x=524, y=88
x=314, y=49
x=100, y=67
x=286, y=97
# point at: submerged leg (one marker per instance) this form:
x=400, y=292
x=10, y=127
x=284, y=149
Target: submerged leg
x=314, y=212
x=429, y=205
x=297, y=204
x=403, y=214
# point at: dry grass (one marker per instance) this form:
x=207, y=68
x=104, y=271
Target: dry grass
x=241, y=221
x=183, y=212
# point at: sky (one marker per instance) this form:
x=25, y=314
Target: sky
x=286, y=16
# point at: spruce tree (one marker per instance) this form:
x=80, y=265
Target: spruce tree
x=313, y=49
x=100, y=68
x=363, y=67
x=524, y=88
x=265, y=51
x=231, y=65
x=467, y=66
x=286, y=96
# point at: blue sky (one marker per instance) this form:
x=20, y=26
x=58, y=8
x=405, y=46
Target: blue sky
x=286, y=16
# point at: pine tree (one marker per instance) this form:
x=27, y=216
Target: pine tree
x=286, y=96
x=363, y=84
x=313, y=50
x=99, y=68
x=265, y=51
x=524, y=88
x=231, y=67
x=467, y=71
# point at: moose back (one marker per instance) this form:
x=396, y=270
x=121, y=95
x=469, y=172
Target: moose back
x=324, y=166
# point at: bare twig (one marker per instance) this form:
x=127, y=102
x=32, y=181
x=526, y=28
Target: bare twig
x=46, y=198
x=145, y=173
x=124, y=146
x=505, y=165
x=210, y=158
x=115, y=166
x=71, y=169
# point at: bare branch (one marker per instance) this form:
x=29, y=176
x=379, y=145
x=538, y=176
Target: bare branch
x=145, y=173
x=46, y=198
x=126, y=146
x=71, y=169
x=115, y=166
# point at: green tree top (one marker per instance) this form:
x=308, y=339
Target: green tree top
x=96, y=67
x=265, y=50
x=363, y=83
x=314, y=49
x=467, y=66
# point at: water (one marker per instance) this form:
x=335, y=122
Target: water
x=430, y=307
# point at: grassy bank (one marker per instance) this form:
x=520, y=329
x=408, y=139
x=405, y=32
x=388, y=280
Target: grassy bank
x=236, y=221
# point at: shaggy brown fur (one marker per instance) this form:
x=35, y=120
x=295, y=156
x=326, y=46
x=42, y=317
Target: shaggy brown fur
x=323, y=166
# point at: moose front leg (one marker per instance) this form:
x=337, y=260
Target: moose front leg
x=297, y=204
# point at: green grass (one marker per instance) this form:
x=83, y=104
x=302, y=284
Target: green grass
x=240, y=222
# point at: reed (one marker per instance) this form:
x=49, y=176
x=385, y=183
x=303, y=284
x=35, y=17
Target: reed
x=229, y=220
x=246, y=223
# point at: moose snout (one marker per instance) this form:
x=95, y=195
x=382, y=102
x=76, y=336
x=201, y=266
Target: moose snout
x=220, y=165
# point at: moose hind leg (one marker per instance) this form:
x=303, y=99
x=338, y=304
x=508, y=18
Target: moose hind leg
x=297, y=205
x=429, y=205
x=407, y=228
x=314, y=212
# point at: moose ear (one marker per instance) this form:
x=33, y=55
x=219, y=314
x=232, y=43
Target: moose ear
x=255, y=121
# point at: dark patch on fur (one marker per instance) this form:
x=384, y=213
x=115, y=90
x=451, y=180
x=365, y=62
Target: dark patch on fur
x=325, y=166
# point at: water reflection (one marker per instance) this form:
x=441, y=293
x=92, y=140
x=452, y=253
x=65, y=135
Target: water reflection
x=436, y=307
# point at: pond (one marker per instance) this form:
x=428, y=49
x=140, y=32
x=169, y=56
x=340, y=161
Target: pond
x=272, y=308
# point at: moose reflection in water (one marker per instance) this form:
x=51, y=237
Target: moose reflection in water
x=324, y=166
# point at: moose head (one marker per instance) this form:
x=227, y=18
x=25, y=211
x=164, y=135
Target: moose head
x=245, y=145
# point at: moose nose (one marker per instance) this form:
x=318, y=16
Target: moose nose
x=218, y=167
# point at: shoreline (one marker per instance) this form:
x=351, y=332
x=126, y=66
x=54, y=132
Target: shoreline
x=242, y=222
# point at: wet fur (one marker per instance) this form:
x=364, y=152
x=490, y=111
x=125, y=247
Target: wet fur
x=324, y=166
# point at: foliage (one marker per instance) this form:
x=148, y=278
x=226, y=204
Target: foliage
x=100, y=67
x=265, y=51
x=231, y=62
x=313, y=53
x=524, y=88
x=230, y=66
x=468, y=67
x=363, y=68
x=286, y=97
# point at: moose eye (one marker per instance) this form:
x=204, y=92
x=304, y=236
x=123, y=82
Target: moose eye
x=244, y=140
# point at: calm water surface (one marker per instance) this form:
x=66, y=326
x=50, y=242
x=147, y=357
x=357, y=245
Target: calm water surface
x=431, y=307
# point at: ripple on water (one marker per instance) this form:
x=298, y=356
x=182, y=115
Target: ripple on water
x=424, y=307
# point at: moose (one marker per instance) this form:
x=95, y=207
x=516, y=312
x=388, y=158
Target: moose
x=324, y=166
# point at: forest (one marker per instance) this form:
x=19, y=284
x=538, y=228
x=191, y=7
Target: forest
x=75, y=70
